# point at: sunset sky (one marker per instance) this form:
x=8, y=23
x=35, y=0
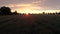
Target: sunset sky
x=32, y=6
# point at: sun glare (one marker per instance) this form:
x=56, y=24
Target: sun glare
x=28, y=10
x=31, y=8
x=27, y=13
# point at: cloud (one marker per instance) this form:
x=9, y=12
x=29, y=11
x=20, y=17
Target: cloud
x=52, y=4
x=35, y=4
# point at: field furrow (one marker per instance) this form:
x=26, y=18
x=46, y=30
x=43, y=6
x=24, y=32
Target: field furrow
x=30, y=24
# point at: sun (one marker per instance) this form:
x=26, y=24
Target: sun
x=27, y=13
x=26, y=10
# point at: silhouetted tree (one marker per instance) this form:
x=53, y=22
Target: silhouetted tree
x=15, y=13
x=5, y=10
x=43, y=12
x=59, y=12
x=56, y=13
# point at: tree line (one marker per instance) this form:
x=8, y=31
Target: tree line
x=6, y=11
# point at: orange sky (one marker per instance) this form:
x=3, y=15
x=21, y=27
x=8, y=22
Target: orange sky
x=32, y=6
x=29, y=8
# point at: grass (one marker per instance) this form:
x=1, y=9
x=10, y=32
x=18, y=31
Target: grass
x=30, y=24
